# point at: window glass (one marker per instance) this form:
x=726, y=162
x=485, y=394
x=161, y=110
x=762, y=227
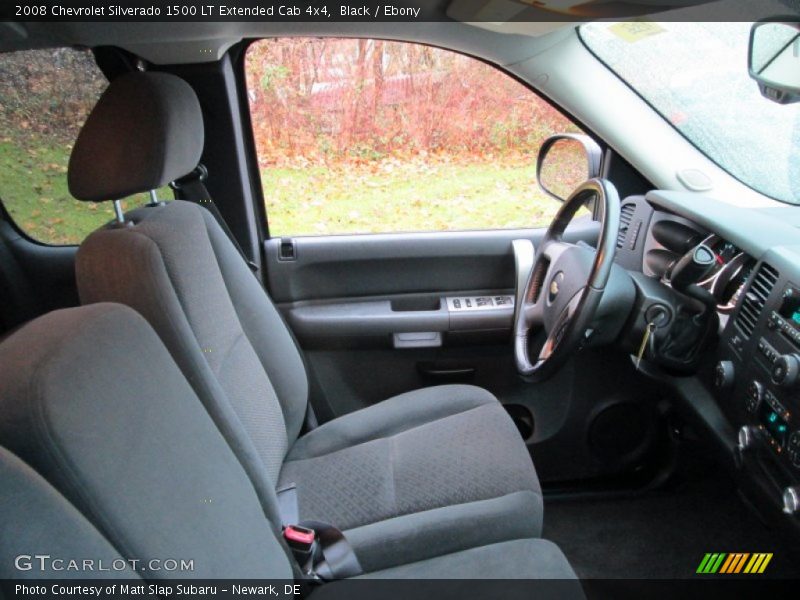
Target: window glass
x=695, y=75
x=45, y=97
x=364, y=136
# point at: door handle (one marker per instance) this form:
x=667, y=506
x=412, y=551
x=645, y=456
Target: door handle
x=443, y=373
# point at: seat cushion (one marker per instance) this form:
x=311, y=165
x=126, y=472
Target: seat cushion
x=431, y=471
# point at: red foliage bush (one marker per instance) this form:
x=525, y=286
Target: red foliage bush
x=328, y=100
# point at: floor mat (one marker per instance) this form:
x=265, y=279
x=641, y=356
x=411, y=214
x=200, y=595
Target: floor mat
x=661, y=535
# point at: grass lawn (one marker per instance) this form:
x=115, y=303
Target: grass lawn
x=33, y=188
x=400, y=196
x=389, y=195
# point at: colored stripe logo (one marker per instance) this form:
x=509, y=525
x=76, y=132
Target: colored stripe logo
x=734, y=562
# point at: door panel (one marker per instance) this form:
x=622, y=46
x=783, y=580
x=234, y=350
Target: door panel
x=372, y=315
x=402, y=291
x=350, y=266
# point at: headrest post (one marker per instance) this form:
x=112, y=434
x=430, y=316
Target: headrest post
x=120, y=216
x=154, y=198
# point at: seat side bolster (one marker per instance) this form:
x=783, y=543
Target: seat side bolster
x=37, y=520
x=265, y=329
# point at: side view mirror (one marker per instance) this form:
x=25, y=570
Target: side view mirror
x=565, y=161
x=774, y=59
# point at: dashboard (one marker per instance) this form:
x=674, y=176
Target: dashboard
x=743, y=385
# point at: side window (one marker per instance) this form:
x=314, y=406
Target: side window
x=368, y=136
x=45, y=96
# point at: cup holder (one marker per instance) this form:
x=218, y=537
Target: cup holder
x=523, y=419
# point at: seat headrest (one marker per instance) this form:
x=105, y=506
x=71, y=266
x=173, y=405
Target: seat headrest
x=145, y=131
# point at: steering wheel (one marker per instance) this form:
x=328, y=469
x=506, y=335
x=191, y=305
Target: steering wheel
x=559, y=287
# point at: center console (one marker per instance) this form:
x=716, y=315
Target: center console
x=757, y=382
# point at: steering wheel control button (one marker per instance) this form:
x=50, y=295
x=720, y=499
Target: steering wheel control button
x=754, y=395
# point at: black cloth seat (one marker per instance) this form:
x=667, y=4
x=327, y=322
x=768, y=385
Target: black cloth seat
x=93, y=402
x=407, y=479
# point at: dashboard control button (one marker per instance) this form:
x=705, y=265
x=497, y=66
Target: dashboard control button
x=768, y=351
x=791, y=500
x=754, y=395
x=745, y=438
x=793, y=449
x=723, y=374
x=785, y=370
x=774, y=321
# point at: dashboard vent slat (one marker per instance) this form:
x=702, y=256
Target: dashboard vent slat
x=625, y=216
x=756, y=298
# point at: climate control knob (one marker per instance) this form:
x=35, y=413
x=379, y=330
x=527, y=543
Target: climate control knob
x=786, y=370
x=791, y=500
x=723, y=374
x=745, y=437
x=755, y=393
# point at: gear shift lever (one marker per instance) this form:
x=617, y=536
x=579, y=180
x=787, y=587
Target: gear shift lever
x=692, y=267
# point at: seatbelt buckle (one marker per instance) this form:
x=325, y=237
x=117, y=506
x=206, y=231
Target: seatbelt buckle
x=300, y=539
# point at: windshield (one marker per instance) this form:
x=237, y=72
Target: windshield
x=695, y=75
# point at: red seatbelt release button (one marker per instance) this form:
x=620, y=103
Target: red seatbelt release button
x=299, y=538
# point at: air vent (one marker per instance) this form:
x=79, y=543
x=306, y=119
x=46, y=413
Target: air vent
x=755, y=299
x=625, y=216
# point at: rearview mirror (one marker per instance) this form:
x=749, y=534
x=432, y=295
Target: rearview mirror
x=774, y=60
x=565, y=161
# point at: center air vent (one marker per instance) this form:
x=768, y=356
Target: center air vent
x=625, y=216
x=755, y=299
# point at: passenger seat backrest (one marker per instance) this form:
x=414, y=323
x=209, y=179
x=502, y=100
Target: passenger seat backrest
x=92, y=400
x=176, y=267
x=164, y=266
